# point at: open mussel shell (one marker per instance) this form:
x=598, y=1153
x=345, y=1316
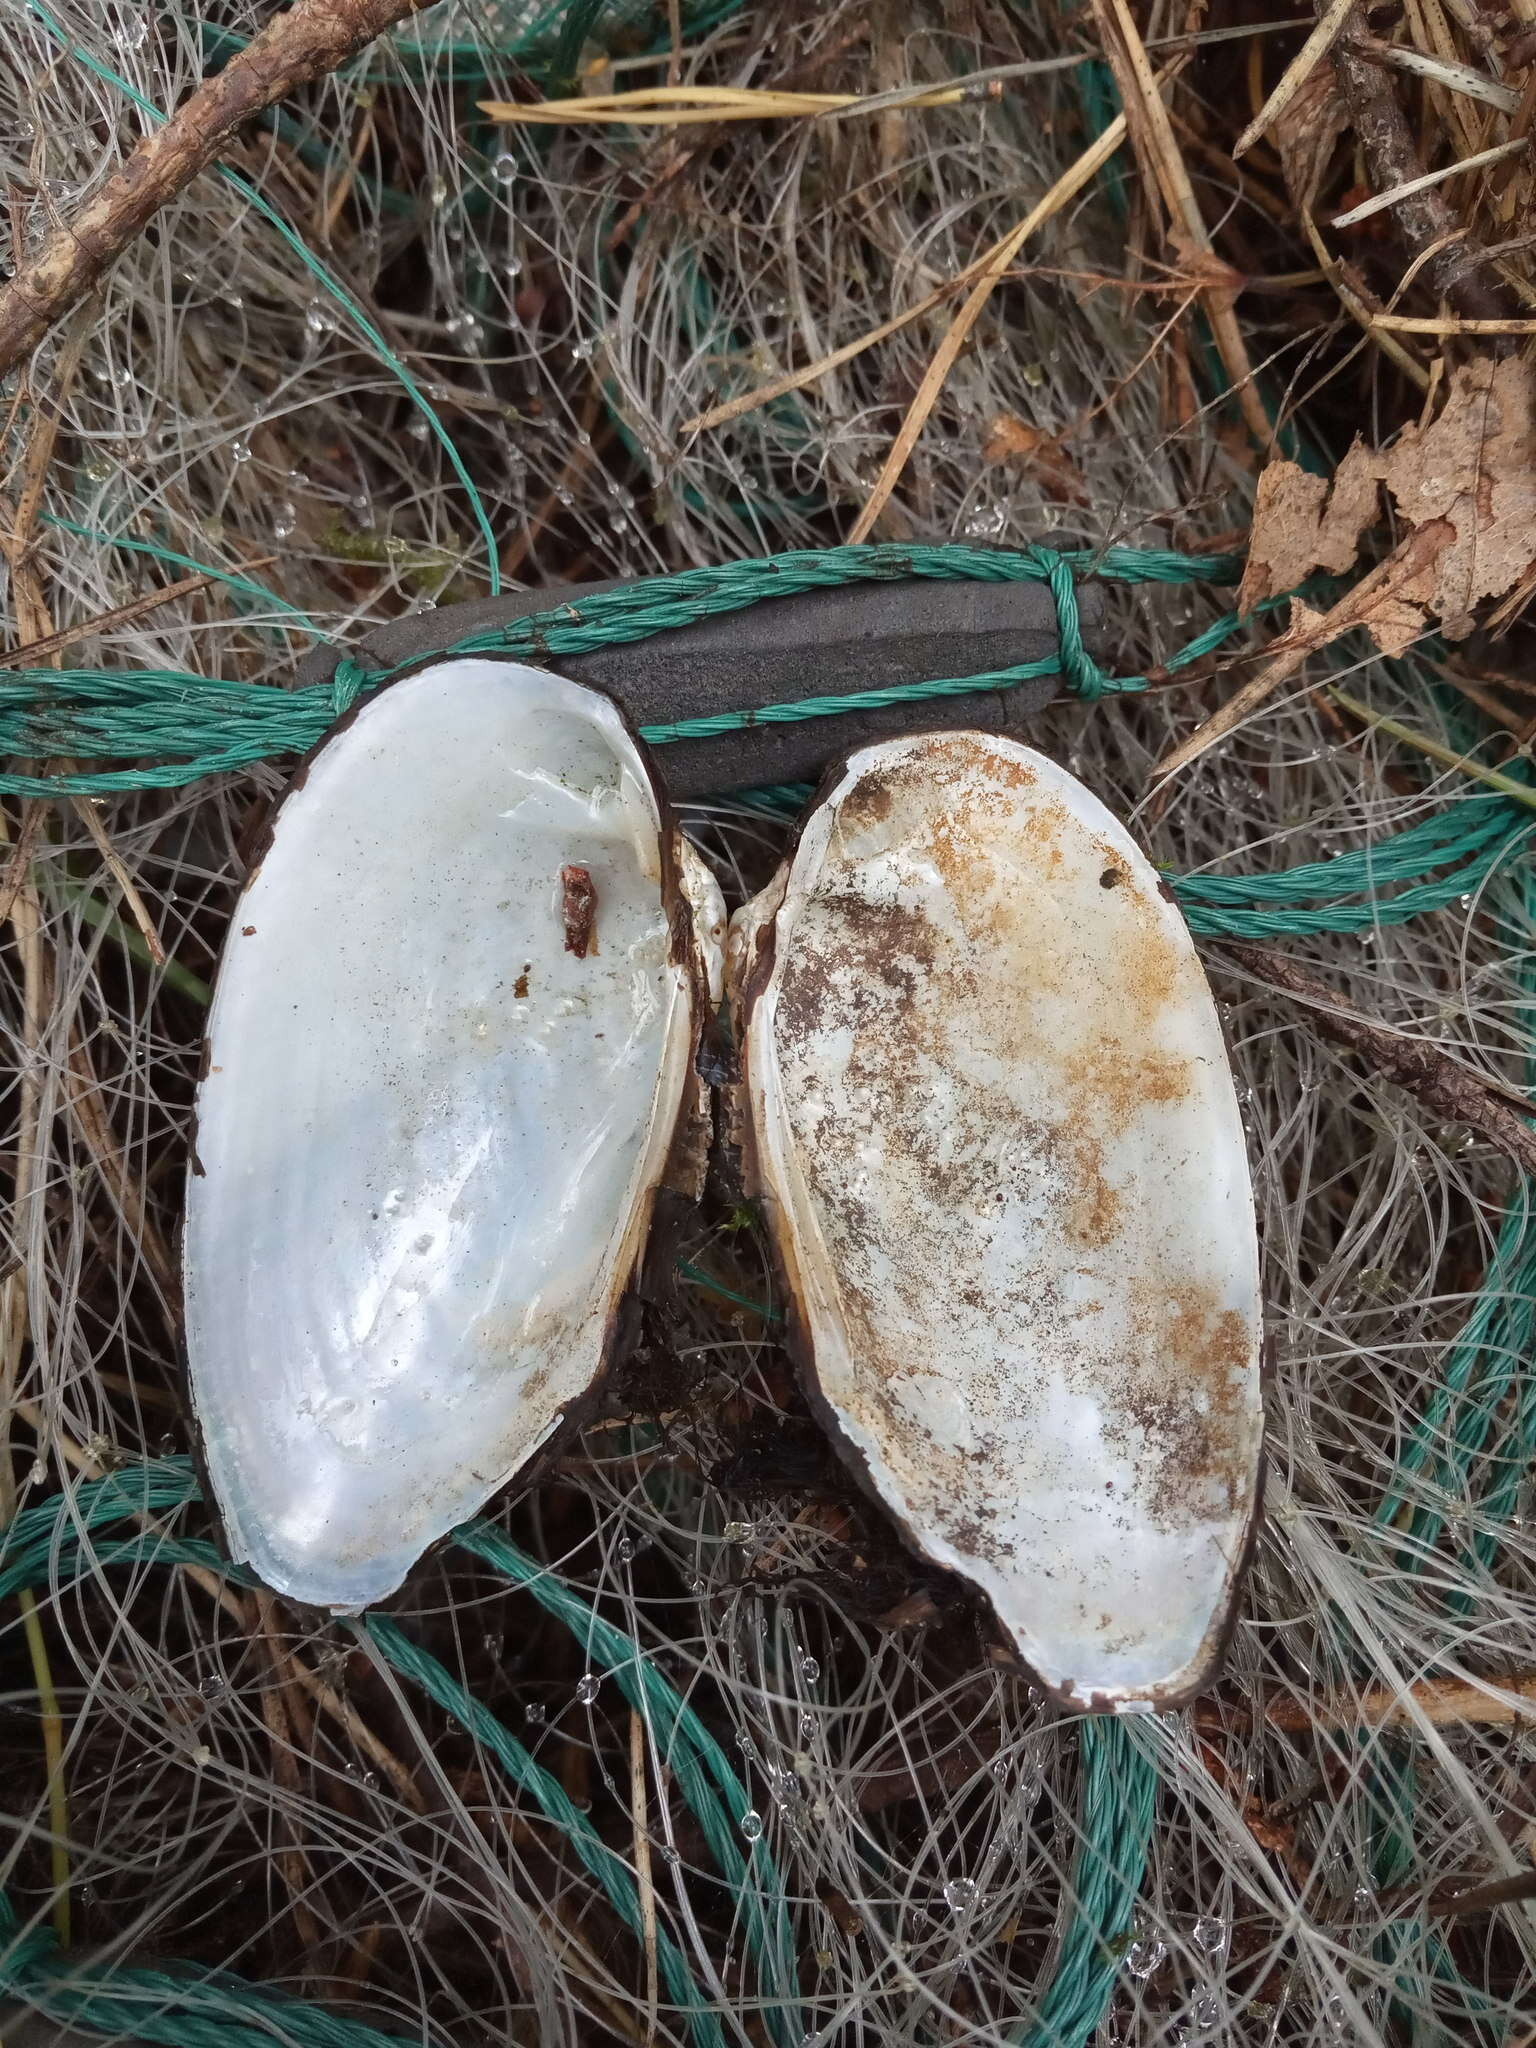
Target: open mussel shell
x=988, y=1107
x=449, y=1064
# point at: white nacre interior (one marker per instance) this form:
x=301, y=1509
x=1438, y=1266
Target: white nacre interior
x=428, y=1133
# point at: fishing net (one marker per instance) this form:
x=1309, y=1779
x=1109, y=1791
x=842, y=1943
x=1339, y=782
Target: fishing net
x=679, y=1744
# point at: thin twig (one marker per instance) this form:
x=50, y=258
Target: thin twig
x=1458, y=271
x=38, y=651
x=1438, y=1080
x=306, y=43
x=1354, y=608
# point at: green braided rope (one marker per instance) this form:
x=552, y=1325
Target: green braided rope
x=185, y=726
x=213, y=726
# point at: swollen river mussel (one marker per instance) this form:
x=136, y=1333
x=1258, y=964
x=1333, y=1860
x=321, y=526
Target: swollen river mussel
x=984, y=1100
x=450, y=1062
x=989, y=1111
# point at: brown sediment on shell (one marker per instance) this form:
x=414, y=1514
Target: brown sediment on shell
x=952, y=1026
x=578, y=910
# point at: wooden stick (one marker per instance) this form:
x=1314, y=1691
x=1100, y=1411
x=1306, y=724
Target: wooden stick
x=36, y=651
x=1354, y=608
x=1456, y=266
x=1443, y=1702
x=306, y=43
x=1440, y=1081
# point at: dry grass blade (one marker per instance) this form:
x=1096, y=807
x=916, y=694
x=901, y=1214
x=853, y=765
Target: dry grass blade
x=1382, y=200
x=798, y=380
x=1403, y=566
x=1153, y=134
x=674, y=106
x=1067, y=186
x=1449, y=325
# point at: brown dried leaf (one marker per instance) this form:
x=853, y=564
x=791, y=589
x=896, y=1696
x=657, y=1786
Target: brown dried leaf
x=1308, y=131
x=1010, y=439
x=1303, y=522
x=1474, y=466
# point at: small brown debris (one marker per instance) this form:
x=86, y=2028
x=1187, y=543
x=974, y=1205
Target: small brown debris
x=578, y=911
x=1010, y=439
x=247, y=931
x=520, y=986
x=1473, y=466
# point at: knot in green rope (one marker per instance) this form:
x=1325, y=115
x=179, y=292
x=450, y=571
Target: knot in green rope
x=1080, y=672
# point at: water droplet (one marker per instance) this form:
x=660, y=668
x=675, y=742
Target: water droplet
x=202, y=1755
x=736, y=1532
x=39, y=1472
x=437, y=192
x=504, y=166
x=583, y=351
x=587, y=1688
x=240, y=450
x=320, y=317
x=1145, y=1955
x=669, y=1854
x=1210, y=1933
x=960, y=1894
x=626, y=1551
x=1204, y=2013
x=807, y=1727
x=535, y=1713
x=285, y=518
x=133, y=30
x=752, y=1825
x=987, y=522
x=810, y=1670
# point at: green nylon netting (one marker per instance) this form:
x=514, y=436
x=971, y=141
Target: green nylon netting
x=55, y=1543
x=174, y=728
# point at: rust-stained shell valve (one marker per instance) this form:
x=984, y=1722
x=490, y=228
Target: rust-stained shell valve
x=989, y=1109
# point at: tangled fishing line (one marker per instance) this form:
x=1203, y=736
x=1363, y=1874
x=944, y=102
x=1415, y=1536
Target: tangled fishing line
x=680, y=1745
